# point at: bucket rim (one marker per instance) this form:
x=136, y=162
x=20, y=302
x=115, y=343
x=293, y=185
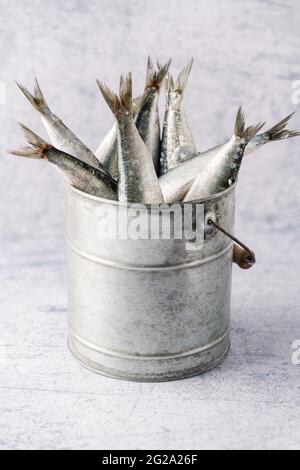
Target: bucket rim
x=111, y=202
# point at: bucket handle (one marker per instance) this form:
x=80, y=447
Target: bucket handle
x=242, y=255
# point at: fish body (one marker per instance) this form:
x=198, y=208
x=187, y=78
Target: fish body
x=59, y=134
x=177, y=182
x=277, y=132
x=147, y=122
x=176, y=130
x=216, y=176
x=76, y=172
x=107, y=152
x=224, y=167
x=147, y=119
x=138, y=182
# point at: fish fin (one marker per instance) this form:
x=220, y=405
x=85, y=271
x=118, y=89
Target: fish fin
x=279, y=131
x=183, y=77
x=123, y=102
x=36, y=148
x=130, y=104
x=110, y=97
x=243, y=132
x=150, y=71
x=126, y=92
x=251, y=131
x=154, y=78
x=37, y=99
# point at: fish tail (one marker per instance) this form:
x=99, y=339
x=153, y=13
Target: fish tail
x=37, y=99
x=130, y=104
x=240, y=129
x=122, y=103
x=36, y=148
x=150, y=72
x=126, y=92
x=110, y=97
x=183, y=78
x=154, y=78
x=279, y=131
x=239, y=122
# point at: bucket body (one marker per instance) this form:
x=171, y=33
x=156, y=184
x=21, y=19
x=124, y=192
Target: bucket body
x=147, y=309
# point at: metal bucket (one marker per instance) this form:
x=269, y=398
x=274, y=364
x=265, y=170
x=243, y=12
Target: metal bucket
x=147, y=310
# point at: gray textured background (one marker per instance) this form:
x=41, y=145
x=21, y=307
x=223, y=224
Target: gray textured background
x=245, y=52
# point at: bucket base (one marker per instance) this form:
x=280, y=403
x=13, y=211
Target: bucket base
x=150, y=368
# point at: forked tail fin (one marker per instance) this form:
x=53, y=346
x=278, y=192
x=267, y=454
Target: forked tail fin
x=180, y=84
x=37, y=99
x=36, y=148
x=240, y=129
x=123, y=103
x=155, y=78
x=279, y=131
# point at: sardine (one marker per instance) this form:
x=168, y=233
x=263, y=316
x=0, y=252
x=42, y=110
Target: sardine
x=107, y=151
x=138, y=181
x=147, y=120
x=222, y=171
x=79, y=174
x=59, y=134
x=178, y=181
x=176, y=131
x=277, y=132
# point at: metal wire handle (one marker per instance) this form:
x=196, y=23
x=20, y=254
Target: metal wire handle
x=248, y=258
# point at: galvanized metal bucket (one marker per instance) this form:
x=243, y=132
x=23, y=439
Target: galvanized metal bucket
x=147, y=310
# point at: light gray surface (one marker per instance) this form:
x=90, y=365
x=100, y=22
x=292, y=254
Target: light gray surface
x=245, y=52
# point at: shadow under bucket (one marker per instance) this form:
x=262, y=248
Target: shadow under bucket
x=147, y=309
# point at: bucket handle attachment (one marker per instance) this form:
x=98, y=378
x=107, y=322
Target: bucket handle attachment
x=242, y=255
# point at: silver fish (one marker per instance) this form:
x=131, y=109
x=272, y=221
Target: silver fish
x=223, y=169
x=138, y=181
x=147, y=120
x=176, y=131
x=59, y=134
x=79, y=174
x=107, y=151
x=178, y=181
x=277, y=132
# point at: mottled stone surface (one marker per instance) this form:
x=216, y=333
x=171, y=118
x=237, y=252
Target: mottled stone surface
x=245, y=52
